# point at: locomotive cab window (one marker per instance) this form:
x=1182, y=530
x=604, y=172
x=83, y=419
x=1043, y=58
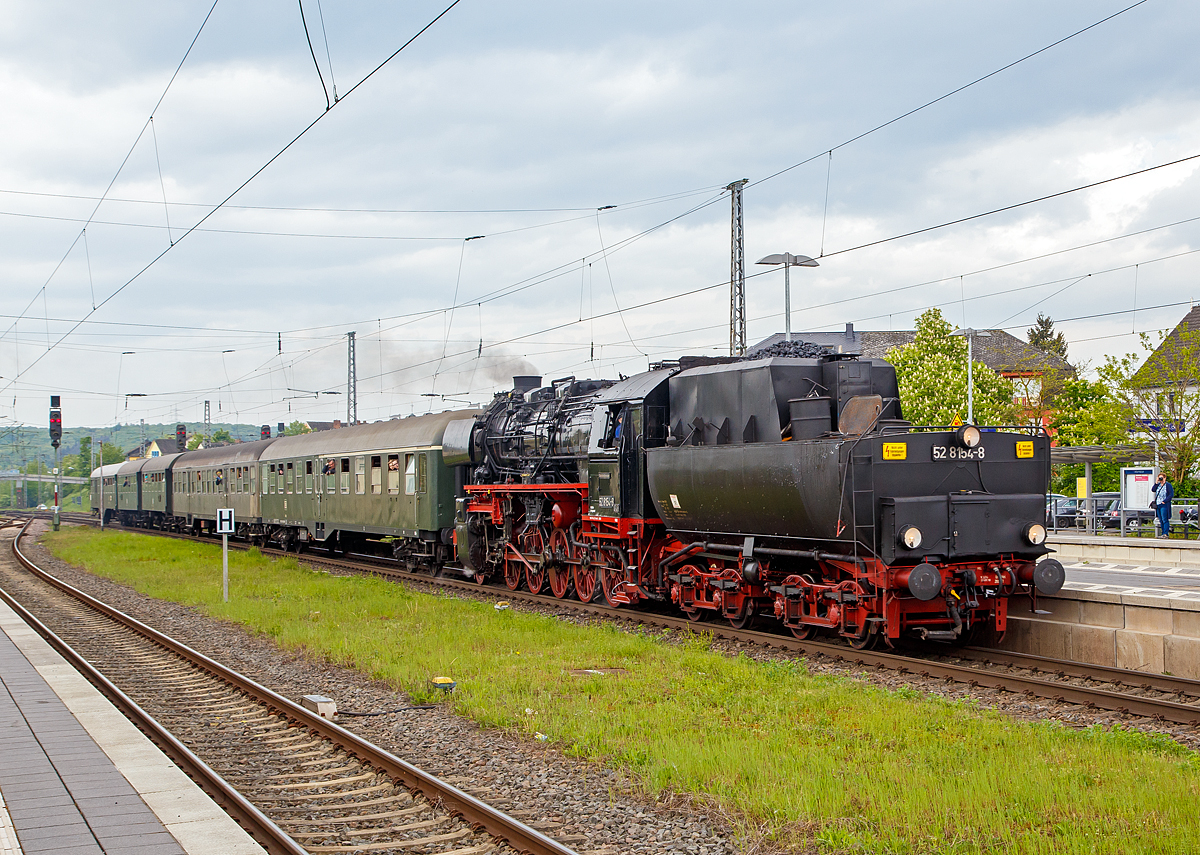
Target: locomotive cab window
x=617, y=425
x=376, y=474
x=393, y=476
x=410, y=474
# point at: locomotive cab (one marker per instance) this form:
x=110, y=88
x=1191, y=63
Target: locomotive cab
x=629, y=417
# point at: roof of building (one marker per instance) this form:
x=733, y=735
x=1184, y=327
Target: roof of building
x=1003, y=352
x=1157, y=363
x=166, y=444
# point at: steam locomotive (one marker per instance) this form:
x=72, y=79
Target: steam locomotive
x=781, y=486
x=785, y=487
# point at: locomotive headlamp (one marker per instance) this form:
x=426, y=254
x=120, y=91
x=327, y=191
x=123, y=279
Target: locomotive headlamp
x=968, y=436
x=910, y=537
x=1035, y=533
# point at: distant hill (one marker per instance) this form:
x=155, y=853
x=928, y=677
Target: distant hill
x=21, y=444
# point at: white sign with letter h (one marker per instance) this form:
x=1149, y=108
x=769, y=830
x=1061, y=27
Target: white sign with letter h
x=224, y=520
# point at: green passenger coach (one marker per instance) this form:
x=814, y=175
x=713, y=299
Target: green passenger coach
x=384, y=481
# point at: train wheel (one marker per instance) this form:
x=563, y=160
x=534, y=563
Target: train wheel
x=535, y=572
x=609, y=576
x=865, y=638
x=586, y=588
x=696, y=615
x=514, y=572
x=803, y=632
x=745, y=616
x=559, y=570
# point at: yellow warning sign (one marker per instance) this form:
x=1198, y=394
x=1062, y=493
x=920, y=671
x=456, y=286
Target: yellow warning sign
x=1025, y=449
x=895, y=451
x=957, y=422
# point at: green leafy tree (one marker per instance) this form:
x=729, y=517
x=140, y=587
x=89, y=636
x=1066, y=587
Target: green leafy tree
x=297, y=428
x=1161, y=397
x=222, y=435
x=1087, y=413
x=932, y=372
x=1042, y=335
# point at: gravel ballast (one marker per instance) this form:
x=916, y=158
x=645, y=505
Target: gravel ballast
x=585, y=805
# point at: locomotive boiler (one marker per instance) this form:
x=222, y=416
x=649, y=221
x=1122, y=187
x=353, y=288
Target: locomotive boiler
x=783, y=487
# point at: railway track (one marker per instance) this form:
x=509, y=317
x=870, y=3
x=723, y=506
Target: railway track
x=295, y=781
x=1136, y=693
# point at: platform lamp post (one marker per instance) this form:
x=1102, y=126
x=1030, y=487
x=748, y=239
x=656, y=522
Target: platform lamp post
x=970, y=334
x=788, y=260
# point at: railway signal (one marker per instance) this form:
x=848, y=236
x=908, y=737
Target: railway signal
x=55, y=421
x=56, y=441
x=181, y=437
x=264, y=432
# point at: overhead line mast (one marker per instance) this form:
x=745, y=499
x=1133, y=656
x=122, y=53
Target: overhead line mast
x=737, y=272
x=351, y=382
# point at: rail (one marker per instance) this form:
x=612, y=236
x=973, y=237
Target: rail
x=473, y=811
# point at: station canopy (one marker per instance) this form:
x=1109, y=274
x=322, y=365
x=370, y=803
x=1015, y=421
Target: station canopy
x=1101, y=454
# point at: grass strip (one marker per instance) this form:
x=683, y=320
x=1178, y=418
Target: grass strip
x=822, y=763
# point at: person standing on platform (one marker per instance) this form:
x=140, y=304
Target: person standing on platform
x=1163, y=494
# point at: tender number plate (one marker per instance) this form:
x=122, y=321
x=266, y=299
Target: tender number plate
x=953, y=452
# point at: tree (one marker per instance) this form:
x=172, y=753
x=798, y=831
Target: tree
x=1161, y=398
x=932, y=372
x=222, y=435
x=1042, y=335
x=1088, y=414
x=297, y=428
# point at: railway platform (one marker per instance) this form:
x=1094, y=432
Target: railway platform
x=1129, y=603
x=77, y=778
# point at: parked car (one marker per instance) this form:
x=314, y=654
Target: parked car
x=1061, y=511
x=1111, y=516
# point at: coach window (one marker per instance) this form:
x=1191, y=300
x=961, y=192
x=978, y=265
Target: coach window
x=308, y=476
x=345, y=474
x=252, y=471
x=278, y=477
x=265, y=479
x=421, y=470
x=271, y=487
x=360, y=475
x=410, y=474
x=393, y=474
x=289, y=476
x=330, y=471
x=376, y=474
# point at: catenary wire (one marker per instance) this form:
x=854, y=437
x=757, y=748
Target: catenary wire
x=240, y=187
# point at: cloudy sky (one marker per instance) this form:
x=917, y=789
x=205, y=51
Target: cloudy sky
x=522, y=122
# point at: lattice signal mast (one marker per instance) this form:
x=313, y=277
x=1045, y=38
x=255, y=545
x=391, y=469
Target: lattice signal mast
x=737, y=272
x=351, y=382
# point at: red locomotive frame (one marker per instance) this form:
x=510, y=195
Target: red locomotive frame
x=629, y=560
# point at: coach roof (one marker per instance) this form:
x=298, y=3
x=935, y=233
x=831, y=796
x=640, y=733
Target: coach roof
x=412, y=432
x=223, y=455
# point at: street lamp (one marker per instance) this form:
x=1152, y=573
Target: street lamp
x=788, y=260
x=970, y=334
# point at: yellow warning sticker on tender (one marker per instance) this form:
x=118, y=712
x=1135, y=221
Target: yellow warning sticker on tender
x=1024, y=449
x=895, y=450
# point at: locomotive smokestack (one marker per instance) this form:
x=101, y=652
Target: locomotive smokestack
x=526, y=382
